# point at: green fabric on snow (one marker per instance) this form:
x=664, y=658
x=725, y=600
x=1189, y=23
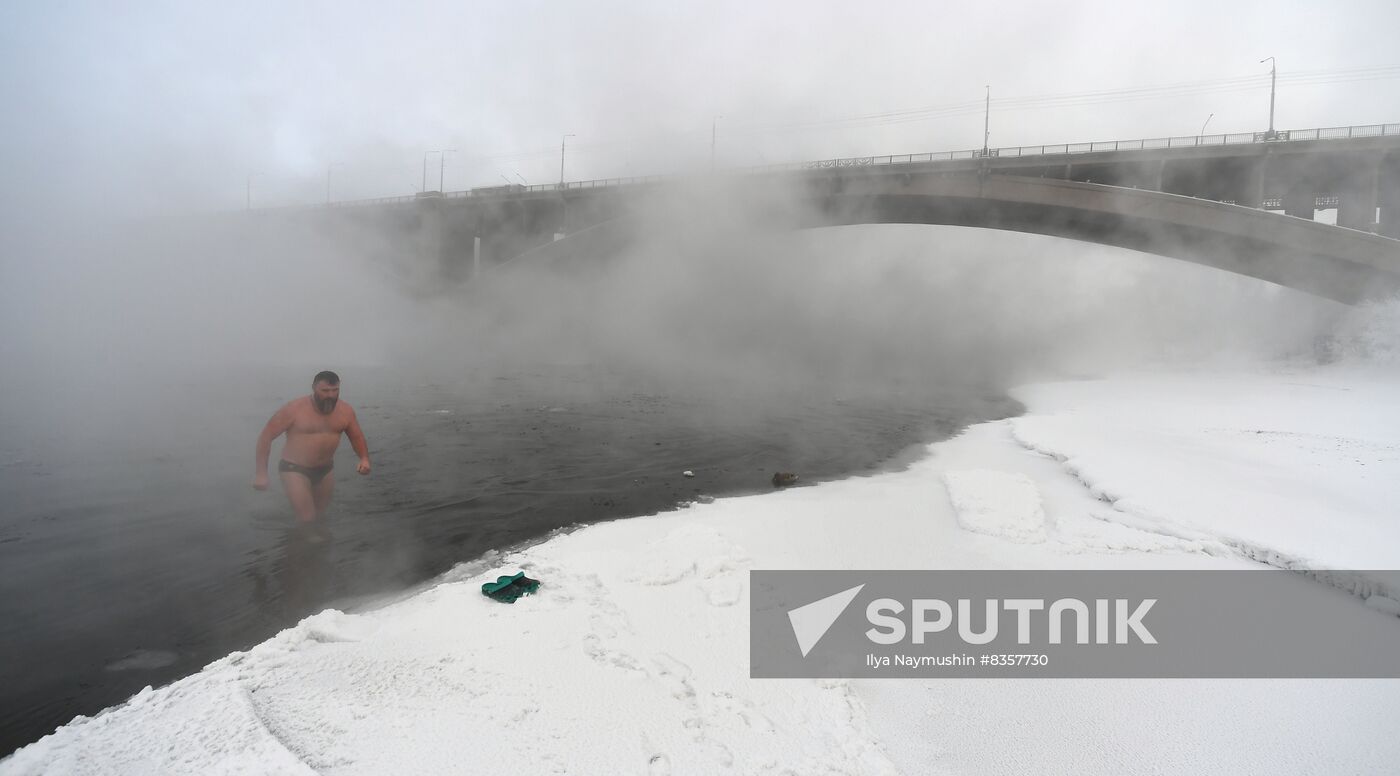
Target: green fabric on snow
x=507, y=589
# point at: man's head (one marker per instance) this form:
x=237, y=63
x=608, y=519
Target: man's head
x=325, y=391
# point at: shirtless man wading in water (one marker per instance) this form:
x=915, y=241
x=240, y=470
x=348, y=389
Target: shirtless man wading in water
x=313, y=425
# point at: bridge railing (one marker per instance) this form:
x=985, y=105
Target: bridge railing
x=1060, y=149
x=1337, y=133
x=1146, y=144
x=1102, y=146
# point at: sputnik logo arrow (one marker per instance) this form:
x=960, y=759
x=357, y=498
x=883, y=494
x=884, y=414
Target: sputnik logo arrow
x=811, y=621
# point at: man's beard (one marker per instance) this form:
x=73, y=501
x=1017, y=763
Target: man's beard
x=325, y=406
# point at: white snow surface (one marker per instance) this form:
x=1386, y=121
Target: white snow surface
x=996, y=503
x=633, y=657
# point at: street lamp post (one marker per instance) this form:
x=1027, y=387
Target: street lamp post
x=562, y=140
x=442, y=165
x=248, y=191
x=987, y=120
x=328, y=180
x=1273, y=90
x=713, y=124
x=426, y=154
x=1202, y=133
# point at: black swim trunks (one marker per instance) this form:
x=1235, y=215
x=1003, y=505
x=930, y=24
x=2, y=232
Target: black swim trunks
x=312, y=473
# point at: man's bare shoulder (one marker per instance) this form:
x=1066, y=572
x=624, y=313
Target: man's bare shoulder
x=296, y=406
x=297, y=410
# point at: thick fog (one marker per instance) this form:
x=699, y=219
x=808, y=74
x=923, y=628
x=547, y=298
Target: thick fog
x=723, y=301
x=135, y=136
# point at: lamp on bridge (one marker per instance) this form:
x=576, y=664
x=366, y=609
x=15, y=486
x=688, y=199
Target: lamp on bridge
x=442, y=166
x=426, y=154
x=713, y=124
x=328, y=180
x=987, y=121
x=562, y=140
x=1273, y=84
x=248, y=191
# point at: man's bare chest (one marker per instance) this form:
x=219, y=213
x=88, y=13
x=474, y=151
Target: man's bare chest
x=317, y=424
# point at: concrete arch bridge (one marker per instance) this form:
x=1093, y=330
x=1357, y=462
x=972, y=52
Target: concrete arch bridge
x=1243, y=204
x=1345, y=265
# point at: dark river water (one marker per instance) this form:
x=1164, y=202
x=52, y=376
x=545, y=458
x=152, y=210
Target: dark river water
x=133, y=550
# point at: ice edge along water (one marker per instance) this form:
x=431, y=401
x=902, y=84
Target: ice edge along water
x=633, y=658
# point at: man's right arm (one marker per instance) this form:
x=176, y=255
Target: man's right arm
x=278, y=425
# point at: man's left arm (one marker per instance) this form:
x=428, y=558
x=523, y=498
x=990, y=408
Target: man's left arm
x=357, y=441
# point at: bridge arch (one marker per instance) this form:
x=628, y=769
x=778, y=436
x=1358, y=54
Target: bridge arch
x=1344, y=265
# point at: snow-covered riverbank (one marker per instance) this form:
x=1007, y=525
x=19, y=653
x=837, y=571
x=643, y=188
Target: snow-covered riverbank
x=633, y=658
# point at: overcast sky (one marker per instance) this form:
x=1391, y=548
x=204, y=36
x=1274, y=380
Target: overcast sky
x=171, y=105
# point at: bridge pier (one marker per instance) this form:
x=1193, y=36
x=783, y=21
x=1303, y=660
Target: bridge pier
x=1356, y=208
x=1390, y=221
x=1300, y=202
x=1388, y=197
x=1254, y=184
x=430, y=233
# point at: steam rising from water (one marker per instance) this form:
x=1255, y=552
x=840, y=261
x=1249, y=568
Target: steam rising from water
x=738, y=306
